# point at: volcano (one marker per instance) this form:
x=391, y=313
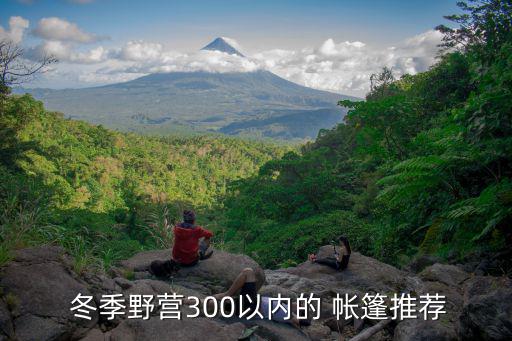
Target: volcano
x=221, y=44
x=256, y=104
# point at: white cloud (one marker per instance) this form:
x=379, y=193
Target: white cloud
x=62, y=30
x=65, y=52
x=346, y=67
x=342, y=67
x=17, y=27
x=152, y=57
x=139, y=51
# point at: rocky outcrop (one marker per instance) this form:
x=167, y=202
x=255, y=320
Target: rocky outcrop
x=212, y=275
x=487, y=311
x=419, y=330
x=185, y=329
x=38, y=285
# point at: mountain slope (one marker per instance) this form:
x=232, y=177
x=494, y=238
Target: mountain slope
x=199, y=101
x=245, y=103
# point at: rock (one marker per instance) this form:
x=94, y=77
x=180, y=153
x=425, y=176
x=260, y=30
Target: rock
x=100, y=284
x=42, y=254
x=184, y=329
x=363, y=273
x=148, y=287
x=487, y=311
x=270, y=330
x=6, y=326
x=420, y=262
x=274, y=291
x=32, y=327
x=318, y=331
x=42, y=286
x=421, y=330
x=96, y=335
x=453, y=298
x=219, y=271
x=123, y=283
x=142, y=260
x=447, y=274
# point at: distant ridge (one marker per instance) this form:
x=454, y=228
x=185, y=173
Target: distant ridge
x=256, y=104
x=220, y=44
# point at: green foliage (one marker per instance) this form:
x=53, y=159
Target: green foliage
x=275, y=244
x=105, y=195
x=423, y=164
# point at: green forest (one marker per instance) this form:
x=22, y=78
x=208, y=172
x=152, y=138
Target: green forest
x=105, y=195
x=421, y=166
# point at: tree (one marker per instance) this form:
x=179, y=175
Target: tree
x=15, y=69
x=484, y=27
x=380, y=84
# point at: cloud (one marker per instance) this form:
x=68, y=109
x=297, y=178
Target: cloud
x=65, y=52
x=152, y=57
x=17, y=27
x=343, y=67
x=58, y=29
x=139, y=51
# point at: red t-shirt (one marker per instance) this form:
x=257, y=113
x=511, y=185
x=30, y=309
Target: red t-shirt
x=186, y=243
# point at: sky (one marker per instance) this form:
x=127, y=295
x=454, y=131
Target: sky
x=333, y=45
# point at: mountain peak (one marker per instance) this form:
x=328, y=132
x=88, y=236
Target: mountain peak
x=223, y=44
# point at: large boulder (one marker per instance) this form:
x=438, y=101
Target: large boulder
x=363, y=273
x=6, y=326
x=420, y=262
x=184, y=329
x=421, y=330
x=40, y=286
x=487, y=311
x=270, y=330
x=448, y=274
x=208, y=276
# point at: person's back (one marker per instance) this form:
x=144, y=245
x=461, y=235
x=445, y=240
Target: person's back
x=187, y=236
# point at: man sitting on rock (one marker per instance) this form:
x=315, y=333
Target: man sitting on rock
x=191, y=241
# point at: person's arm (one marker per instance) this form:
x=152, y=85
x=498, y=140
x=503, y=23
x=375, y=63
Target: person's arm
x=206, y=234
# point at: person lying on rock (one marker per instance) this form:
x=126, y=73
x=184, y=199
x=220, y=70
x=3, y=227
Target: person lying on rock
x=336, y=262
x=245, y=286
x=191, y=243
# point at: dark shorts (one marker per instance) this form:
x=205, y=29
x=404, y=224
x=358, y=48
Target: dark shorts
x=248, y=291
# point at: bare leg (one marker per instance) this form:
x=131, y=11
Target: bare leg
x=246, y=276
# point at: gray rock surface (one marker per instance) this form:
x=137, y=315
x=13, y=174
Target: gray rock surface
x=185, y=329
x=420, y=330
x=41, y=286
x=38, y=285
x=448, y=274
x=487, y=311
x=6, y=326
x=209, y=276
